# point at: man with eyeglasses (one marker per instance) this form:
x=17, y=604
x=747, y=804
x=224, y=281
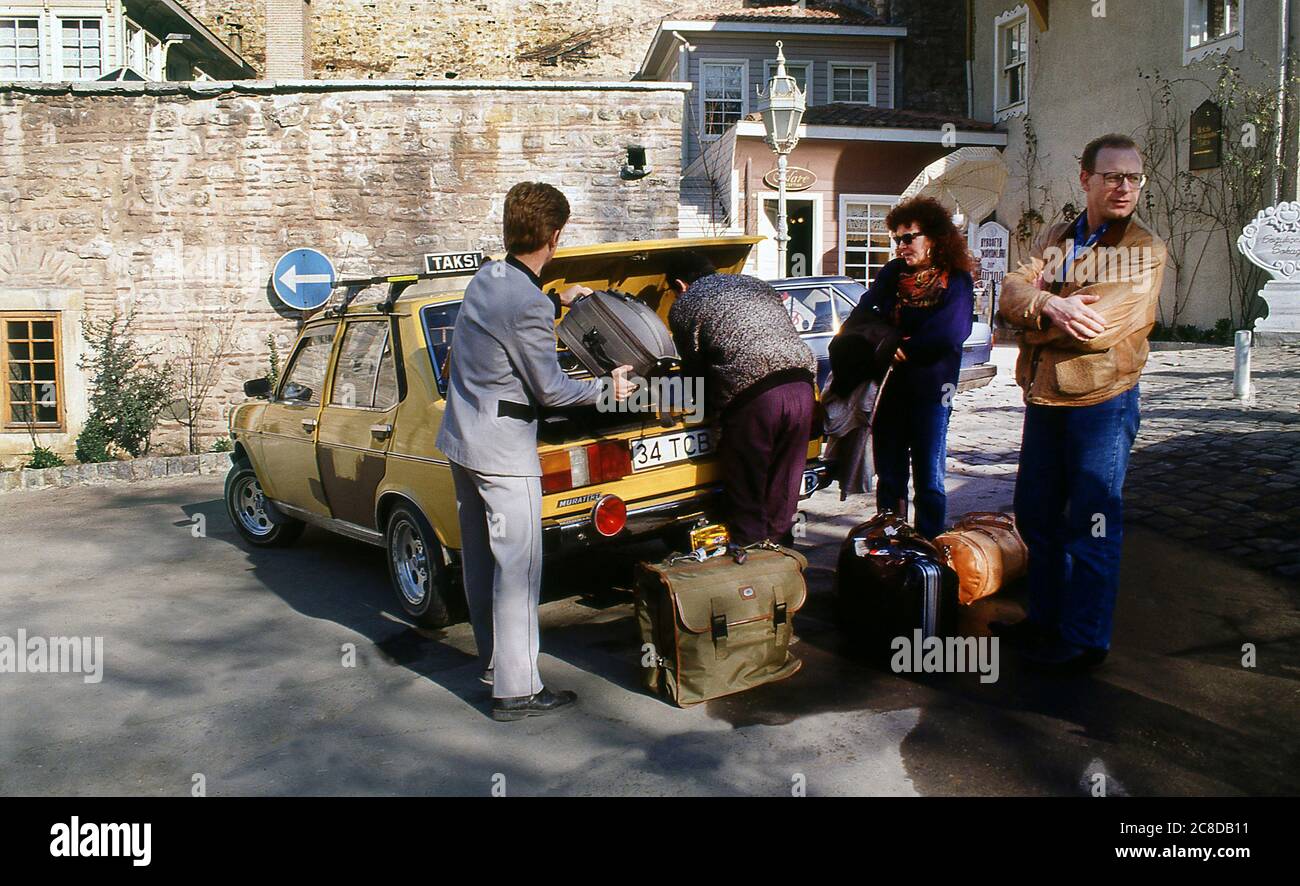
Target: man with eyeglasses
x=1083, y=304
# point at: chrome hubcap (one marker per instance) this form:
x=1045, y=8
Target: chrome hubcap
x=250, y=507
x=410, y=564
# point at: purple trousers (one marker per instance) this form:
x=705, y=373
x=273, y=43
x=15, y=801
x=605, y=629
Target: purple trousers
x=764, y=451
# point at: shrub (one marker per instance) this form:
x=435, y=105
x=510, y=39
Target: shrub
x=128, y=389
x=45, y=458
x=1222, y=333
x=222, y=444
x=92, y=443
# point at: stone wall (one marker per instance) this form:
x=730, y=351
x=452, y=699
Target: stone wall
x=175, y=201
x=494, y=39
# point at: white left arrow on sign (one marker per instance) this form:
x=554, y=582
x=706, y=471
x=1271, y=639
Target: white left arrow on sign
x=292, y=278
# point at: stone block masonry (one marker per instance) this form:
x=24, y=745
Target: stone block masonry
x=175, y=200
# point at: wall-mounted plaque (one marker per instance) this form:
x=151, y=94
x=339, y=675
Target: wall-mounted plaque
x=1206, y=137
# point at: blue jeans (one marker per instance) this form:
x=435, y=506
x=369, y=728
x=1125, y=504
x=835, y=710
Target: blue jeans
x=1070, y=511
x=916, y=427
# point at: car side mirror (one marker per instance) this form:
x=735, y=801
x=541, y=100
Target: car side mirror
x=295, y=391
x=258, y=387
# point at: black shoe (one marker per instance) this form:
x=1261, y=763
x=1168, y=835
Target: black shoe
x=544, y=702
x=1065, y=661
x=1021, y=635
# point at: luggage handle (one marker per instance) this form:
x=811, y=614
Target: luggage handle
x=594, y=342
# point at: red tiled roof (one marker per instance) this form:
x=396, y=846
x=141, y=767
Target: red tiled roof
x=790, y=13
x=866, y=115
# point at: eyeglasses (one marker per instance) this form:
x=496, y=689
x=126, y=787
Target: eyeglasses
x=906, y=239
x=1114, y=179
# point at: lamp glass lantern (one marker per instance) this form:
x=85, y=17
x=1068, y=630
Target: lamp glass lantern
x=782, y=110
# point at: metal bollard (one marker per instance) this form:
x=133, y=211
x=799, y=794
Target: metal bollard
x=1241, y=389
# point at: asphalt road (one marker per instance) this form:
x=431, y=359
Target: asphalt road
x=229, y=664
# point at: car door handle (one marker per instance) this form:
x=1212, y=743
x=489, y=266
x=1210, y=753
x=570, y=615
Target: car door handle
x=309, y=424
x=381, y=431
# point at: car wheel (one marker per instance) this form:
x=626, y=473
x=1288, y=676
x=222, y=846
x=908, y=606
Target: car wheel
x=255, y=518
x=418, y=567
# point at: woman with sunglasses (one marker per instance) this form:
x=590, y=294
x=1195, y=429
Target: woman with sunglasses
x=927, y=292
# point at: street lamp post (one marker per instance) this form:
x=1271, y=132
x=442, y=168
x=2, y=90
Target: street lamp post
x=782, y=109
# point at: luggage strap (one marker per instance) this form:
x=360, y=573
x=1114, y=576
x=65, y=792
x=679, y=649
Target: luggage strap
x=718, y=629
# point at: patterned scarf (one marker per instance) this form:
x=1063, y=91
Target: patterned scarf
x=922, y=289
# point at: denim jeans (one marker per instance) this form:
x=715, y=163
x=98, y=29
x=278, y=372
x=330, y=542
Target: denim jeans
x=1070, y=511
x=916, y=427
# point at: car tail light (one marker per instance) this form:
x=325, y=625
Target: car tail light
x=586, y=465
x=609, y=515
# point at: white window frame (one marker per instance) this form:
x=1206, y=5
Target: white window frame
x=830, y=82
x=741, y=63
x=42, y=38
x=133, y=46
x=769, y=69
x=1001, y=24
x=1233, y=40
x=56, y=43
x=845, y=199
x=153, y=58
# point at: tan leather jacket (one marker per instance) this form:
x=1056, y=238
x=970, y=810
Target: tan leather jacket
x=1126, y=268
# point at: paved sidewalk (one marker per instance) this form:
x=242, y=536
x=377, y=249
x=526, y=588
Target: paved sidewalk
x=1205, y=468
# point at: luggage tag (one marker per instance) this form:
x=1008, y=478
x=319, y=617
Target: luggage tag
x=863, y=548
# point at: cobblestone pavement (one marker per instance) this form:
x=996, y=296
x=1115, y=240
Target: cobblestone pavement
x=1205, y=468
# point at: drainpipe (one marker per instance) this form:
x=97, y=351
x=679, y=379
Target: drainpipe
x=1283, y=74
x=970, y=59
x=684, y=76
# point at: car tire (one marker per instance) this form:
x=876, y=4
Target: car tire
x=418, y=568
x=257, y=520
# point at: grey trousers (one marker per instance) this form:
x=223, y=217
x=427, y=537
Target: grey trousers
x=501, y=550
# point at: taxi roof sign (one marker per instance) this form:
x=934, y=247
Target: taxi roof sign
x=452, y=264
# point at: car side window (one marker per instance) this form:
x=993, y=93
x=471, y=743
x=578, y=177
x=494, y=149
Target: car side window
x=357, y=371
x=305, y=376
x=386, y=390
x=439, y=323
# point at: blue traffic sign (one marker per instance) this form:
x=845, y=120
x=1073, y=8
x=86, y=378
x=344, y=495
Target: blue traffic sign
x=303, y=279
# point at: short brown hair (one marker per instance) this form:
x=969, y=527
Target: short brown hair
x=1111, y=140
x=948, y=250
x=534, y=211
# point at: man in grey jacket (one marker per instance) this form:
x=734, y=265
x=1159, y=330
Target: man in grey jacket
x=734, y=331
x=503, y=368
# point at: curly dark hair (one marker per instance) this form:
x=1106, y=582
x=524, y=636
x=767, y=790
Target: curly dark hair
x=949, y=252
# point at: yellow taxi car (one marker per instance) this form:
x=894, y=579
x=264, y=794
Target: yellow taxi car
x=345, y=441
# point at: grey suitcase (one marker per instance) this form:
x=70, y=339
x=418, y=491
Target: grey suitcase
x=605, y=330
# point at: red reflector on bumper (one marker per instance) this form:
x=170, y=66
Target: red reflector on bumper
x=609, y=515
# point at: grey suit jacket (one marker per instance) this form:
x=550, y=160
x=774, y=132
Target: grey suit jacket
x=503, y=350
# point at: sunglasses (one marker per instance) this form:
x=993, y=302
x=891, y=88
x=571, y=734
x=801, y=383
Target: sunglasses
x=906, y=239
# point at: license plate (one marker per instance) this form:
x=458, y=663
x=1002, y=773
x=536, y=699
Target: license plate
x=652, y=452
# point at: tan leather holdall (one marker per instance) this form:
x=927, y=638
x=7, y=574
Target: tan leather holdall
x=985, y=551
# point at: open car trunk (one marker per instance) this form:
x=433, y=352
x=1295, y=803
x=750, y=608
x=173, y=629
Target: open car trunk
x=638, y=269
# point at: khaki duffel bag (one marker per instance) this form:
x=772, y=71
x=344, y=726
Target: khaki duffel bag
x=717, y=627
x=985, y=551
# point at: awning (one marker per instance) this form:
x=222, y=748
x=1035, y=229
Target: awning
x=969, y=180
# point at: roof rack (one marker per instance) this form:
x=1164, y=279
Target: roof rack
x=397, y=284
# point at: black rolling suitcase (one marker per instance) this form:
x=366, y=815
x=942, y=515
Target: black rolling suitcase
x=890, y=581
x=605, y=330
